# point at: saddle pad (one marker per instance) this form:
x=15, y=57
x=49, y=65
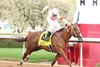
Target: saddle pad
x=43, y=42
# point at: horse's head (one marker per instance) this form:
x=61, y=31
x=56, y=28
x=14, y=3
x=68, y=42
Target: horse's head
x=74, y=30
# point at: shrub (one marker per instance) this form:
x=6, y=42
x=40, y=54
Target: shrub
x=9, y=44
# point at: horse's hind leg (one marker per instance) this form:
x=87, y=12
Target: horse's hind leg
x=25, y=56
x=61, y=52
x=55, y=59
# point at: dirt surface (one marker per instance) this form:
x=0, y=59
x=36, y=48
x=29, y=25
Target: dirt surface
x=14, y=64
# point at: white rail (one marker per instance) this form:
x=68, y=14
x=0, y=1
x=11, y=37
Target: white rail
x=10, y=36
x=89, y=40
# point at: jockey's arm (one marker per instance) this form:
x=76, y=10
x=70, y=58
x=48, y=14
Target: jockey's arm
x=45, y=8
x=65, y=21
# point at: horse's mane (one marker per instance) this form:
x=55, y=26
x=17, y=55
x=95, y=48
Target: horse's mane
x=61, y=29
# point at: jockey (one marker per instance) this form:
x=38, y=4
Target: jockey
x=52, y=19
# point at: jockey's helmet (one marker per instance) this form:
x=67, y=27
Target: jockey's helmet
x=55, y=12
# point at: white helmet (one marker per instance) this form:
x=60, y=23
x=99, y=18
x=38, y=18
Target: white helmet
x=55, y=11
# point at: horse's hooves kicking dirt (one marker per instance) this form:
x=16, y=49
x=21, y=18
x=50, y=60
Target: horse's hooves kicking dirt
x=20, y=64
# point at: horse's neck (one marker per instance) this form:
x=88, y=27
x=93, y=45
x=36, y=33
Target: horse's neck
x=66, y=34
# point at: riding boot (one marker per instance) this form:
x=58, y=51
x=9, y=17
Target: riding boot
x=47, y=36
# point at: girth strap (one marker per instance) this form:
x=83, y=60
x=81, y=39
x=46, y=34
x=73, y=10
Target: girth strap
x=51, y=48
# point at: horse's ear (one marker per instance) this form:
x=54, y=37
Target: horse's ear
x=76, y=23
x=77, y=18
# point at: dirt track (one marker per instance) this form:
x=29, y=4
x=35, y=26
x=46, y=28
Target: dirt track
x=14, y=64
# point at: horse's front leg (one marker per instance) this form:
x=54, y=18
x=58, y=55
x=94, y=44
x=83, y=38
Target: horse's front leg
x=61, y=52
x=55, y=59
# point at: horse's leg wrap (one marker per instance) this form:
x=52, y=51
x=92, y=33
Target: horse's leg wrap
x=26, y=58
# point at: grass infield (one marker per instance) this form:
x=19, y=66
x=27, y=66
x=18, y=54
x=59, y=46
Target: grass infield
x=15, y=54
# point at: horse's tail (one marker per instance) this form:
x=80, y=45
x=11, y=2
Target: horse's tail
x=19, y=39
x=16, y=38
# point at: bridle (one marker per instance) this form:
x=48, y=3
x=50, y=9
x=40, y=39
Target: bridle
x=73, y=32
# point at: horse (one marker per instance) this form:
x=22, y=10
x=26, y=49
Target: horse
x=58, y=40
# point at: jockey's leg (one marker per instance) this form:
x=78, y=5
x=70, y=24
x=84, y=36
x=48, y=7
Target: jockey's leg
x=47, y=36
x=50, y=30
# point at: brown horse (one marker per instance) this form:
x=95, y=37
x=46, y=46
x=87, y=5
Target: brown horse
x=58, y=40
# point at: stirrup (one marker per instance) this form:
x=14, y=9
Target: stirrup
x=46, y=39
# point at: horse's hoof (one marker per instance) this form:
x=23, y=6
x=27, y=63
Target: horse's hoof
x=20, y=64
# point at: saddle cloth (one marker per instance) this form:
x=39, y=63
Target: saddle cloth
x=43, y=42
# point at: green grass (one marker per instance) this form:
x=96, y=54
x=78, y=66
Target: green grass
x=15, y=54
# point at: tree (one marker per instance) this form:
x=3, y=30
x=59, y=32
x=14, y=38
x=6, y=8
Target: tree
x=24, y=13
